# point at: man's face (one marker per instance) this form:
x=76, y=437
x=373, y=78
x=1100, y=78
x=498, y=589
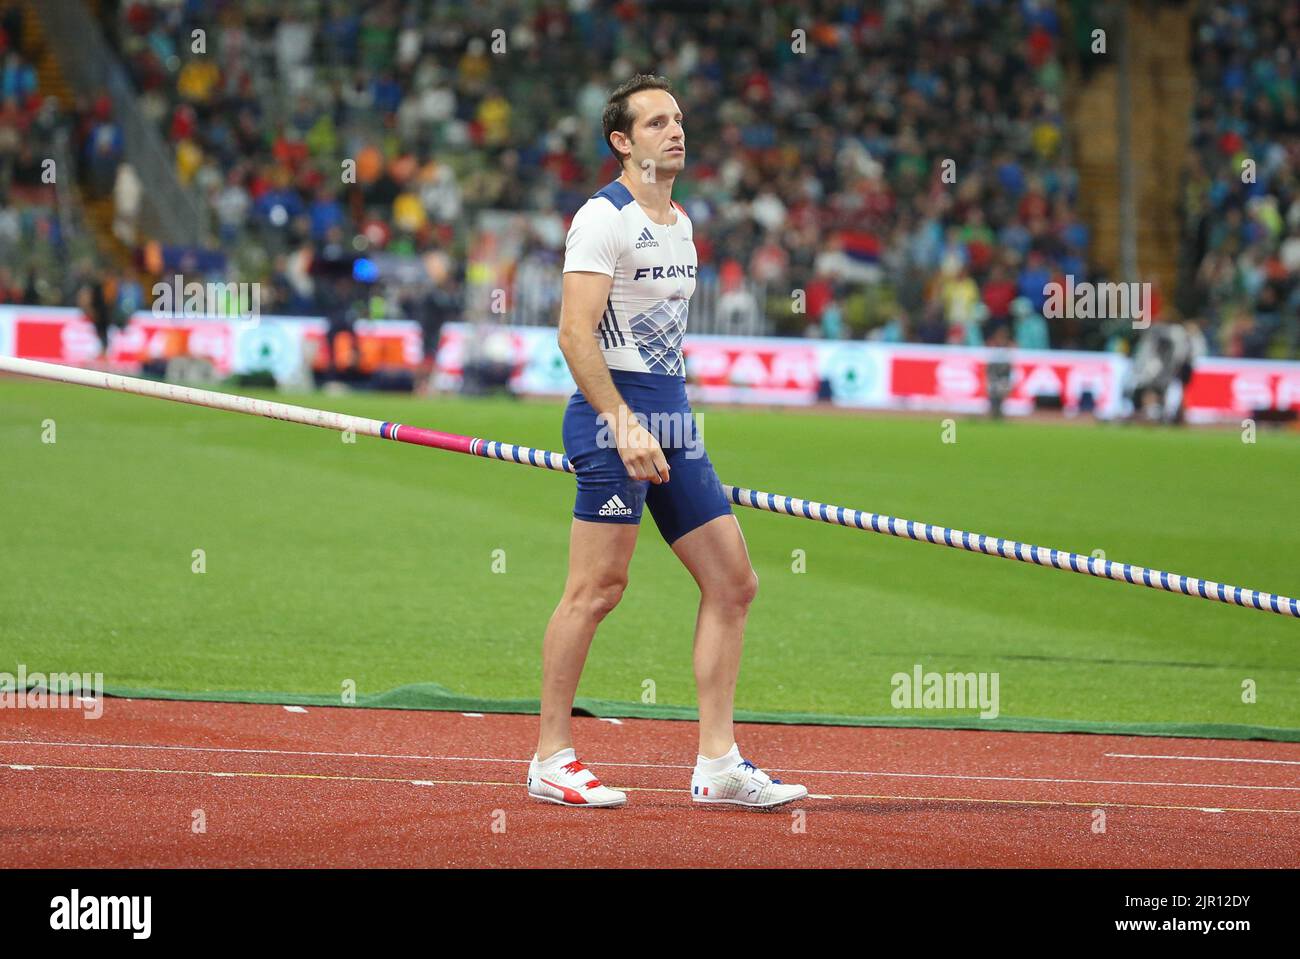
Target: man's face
x=658, y=139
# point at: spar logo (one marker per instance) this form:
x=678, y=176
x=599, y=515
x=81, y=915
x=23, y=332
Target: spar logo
x=961, y=379
x=1252, y=392
x=1224, y=386
x=76, y=912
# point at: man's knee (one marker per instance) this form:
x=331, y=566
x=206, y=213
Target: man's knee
x=738, y=590
x=596, y=598
x=747, y=589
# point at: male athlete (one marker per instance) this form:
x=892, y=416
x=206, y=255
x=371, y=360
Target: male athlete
x=629, y=271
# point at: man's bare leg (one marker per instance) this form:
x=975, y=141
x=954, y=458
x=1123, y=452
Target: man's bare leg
x=716, y=555
x=599, y=554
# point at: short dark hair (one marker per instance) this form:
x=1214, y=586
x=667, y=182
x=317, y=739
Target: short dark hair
x=618, y=115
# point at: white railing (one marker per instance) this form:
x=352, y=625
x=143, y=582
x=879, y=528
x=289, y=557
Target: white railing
x=169, y=212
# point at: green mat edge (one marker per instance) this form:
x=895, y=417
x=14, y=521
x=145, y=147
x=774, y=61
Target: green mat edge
x=432, y=697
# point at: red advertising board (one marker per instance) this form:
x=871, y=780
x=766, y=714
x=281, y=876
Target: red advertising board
x=721, y=368
x=60, y=335
x=771, y=367
x=953, y=378
x=53, y=335
x=1222, y=388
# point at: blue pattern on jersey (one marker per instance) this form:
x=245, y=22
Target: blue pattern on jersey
x=658, y=336
x=616, y=193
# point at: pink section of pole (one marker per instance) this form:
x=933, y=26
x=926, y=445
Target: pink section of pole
x=418, y=436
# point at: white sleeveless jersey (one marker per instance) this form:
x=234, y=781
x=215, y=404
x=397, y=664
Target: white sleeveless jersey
x=653, y=267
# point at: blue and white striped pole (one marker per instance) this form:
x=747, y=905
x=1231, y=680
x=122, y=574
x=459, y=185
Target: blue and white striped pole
x=944, y=536
x=773, y=503
x=1010, y=549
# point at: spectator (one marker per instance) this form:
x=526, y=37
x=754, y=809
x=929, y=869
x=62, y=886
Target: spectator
x=127, y=193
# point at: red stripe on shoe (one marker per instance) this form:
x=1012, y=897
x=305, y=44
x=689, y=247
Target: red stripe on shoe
x=570, y=795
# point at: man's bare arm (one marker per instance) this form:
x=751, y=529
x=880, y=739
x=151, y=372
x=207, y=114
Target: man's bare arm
x=583, y=304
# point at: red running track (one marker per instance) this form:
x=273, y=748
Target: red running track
x=336, y=787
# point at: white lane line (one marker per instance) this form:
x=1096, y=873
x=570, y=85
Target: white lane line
x=1206, y=759
x=280, y=752
x=22, y=768
x=783, y=769
x=976, y=800
x=473, y=715
x=1085, y=782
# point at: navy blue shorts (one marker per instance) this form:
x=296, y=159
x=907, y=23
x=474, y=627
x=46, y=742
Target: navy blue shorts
x=606, y=494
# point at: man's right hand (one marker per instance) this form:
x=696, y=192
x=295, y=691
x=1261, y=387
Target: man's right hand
x=642, y=456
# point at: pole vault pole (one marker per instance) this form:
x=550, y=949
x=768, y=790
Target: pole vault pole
x=770, y=502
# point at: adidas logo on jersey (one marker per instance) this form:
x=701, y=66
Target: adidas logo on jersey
x=646, y=239
x=615, y=507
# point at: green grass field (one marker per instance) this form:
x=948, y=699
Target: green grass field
x=373, y=562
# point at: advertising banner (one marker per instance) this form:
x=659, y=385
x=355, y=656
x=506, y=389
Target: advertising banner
x=1223, y=388
x=232, y=345
x=789, y=371
x=720, y=369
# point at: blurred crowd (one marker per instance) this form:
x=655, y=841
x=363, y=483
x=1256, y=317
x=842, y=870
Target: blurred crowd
x=47, y=255
x=905, y=166
x=1241, y=203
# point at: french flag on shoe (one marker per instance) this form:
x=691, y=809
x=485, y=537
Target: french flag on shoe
x=734, y=780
